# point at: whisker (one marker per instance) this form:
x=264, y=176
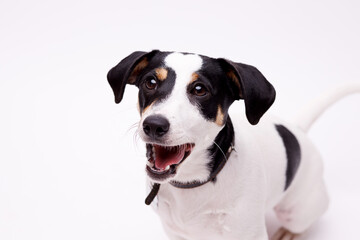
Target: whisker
x=220, y=150
x=136, y=136
x=136, y=139
x=132, y=127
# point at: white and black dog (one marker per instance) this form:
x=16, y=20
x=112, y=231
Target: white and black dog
x=219, y=176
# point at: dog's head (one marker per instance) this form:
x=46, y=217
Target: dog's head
x=183, y=103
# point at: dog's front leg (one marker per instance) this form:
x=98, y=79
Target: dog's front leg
x=249, y=230
x=173, y=236
x=247, y=220
x=234, y=224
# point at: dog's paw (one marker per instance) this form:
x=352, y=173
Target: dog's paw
x=283, y=234
x=284, y=215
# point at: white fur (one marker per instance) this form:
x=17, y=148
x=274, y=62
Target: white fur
x=184, y=119
x=251, y=182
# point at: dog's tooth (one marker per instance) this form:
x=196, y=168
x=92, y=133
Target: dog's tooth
x=150, y=164
x=167, y=168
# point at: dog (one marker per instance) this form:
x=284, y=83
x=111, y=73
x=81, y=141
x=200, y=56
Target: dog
x=212, y=176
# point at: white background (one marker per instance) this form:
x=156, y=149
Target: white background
x=70, y=167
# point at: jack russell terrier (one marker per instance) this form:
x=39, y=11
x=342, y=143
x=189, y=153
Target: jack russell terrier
x=215, y=177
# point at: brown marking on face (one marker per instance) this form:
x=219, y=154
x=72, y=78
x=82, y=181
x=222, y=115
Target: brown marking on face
x=194, y=77
x=148, y=107
x=161, y=73
x=236, y=80
x=140, y=66
x=219, y=116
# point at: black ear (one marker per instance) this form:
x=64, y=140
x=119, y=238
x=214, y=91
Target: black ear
x=127, y=71
x=252, y=86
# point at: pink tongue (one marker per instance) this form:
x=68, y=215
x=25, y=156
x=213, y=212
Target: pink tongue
x=165, y=156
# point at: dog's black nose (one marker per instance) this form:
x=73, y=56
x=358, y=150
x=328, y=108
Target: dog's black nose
x=156, y=126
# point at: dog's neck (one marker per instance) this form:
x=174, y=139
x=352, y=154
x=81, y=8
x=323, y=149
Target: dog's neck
x=219, y=150
x=219, y=153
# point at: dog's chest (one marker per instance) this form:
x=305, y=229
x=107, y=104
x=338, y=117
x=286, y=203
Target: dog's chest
x=189, y=212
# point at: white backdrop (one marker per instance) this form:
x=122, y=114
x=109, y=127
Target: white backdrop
x=70, y=167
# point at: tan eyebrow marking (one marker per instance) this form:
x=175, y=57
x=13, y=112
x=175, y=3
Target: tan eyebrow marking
x=140, y=66
x=194, y=77
x=161, y=73
x=219, y=116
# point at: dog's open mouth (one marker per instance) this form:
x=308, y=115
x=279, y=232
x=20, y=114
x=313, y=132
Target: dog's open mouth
x=164, y=160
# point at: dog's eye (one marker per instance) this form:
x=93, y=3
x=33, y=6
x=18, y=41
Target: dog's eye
x=151, y=84
x=199, y=90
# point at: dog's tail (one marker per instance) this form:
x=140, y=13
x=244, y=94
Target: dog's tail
x=307, y=116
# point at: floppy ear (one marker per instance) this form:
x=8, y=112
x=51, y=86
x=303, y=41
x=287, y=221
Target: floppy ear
x=252, y=86
x=127, y=71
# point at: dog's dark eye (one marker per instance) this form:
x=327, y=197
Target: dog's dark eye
x=151, y=84
x=199, y=90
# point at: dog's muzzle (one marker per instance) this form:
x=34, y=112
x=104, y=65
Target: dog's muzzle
x=164, y=160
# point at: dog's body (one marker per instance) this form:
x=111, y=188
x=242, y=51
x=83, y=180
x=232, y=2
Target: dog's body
x=247, y=187
x=183, y=102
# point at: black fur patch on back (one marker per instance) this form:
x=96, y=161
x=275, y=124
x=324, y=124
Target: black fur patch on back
x=293, y=153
